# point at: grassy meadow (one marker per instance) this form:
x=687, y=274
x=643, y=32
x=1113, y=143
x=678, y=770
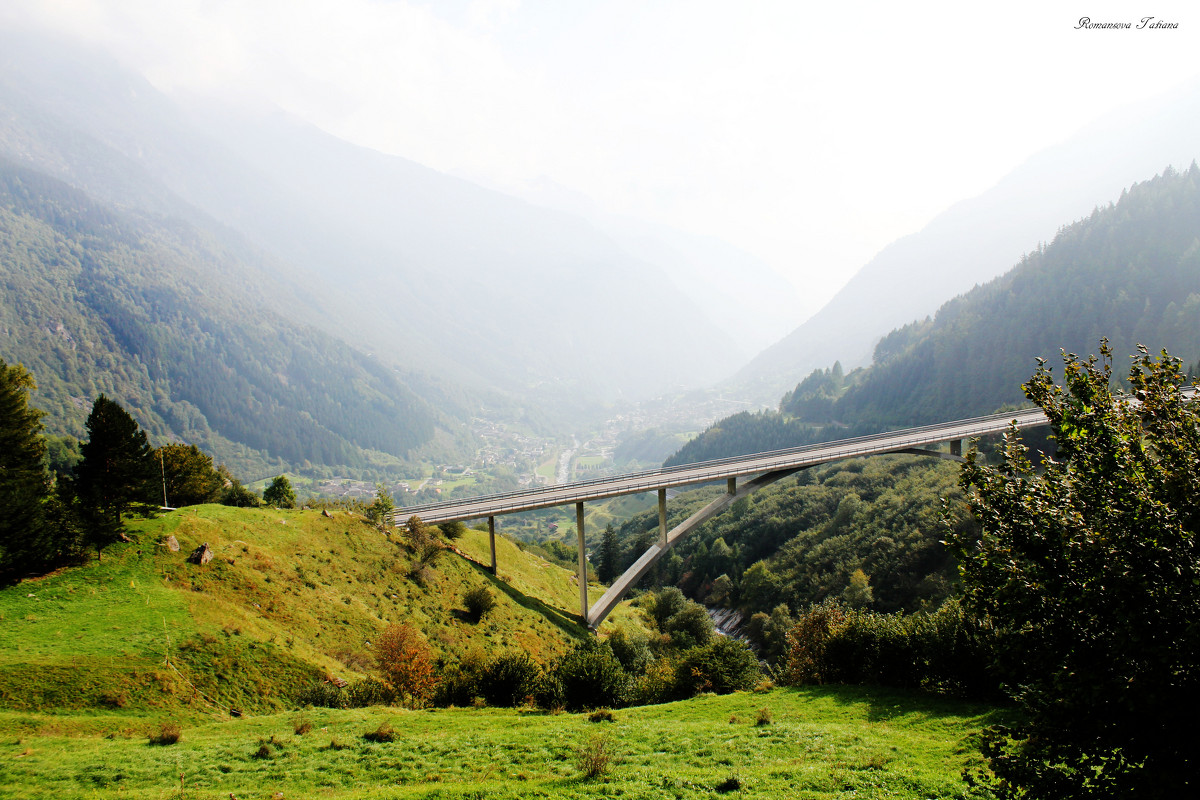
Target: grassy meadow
x=814, y=743
x=97, y=662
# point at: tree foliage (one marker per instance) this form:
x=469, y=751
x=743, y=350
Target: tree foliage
x=24, y=485
x=1090, y=570
x=406, y=661
x=280, y=493
x=188, y=474
x=116, y=471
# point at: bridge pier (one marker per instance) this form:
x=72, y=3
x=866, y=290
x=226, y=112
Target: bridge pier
x=662, y=515
x=492, y=540
x=956, y=447
x=583, y=598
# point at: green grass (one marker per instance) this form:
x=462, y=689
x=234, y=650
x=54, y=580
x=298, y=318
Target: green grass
x=291, y=595
x=821, y=743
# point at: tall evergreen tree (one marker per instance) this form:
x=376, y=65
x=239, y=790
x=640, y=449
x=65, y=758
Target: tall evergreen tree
x=24, y=485
x=609, y=566
x=115, y=472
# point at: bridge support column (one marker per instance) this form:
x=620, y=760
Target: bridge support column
x=731, y=486
x=956, y=447
x=492, y=541
x=662, y=515
x=583, y=599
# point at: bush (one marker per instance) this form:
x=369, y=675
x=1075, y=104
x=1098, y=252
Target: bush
x=594, y=756
x=510, y=679
x=383, y=734
x=479, y=600
x=945, y=651
x=168, y=733
x=587, y=677
x=805, y=662
x=632, y=649
x=405, y=661
x=724, y=665
x=691, y=626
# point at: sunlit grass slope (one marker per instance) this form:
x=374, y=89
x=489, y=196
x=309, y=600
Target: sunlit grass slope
x=289, y=597
x=818, y=743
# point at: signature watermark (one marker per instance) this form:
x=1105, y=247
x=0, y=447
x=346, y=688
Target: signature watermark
x=1146, y=23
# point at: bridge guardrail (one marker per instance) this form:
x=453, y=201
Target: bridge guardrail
x=718, y=469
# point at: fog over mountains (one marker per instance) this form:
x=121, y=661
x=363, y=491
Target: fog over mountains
x=424, y=270
x=980, y=238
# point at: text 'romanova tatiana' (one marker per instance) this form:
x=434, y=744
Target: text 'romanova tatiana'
x=1146, y=23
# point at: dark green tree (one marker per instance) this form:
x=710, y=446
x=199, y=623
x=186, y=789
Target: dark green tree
x=280, y=494
x=609, y=564
x=188, y=475
x=24, y=484
x=1090, y=570
x=116, y=471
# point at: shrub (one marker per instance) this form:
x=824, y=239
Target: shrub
x=805, y=662
x=510, y=679
x=302, y=726
x=765, y=717
x=690, y=626
x=587, y=677
x=405, y=661
x=168, y=733
x=461, y=683
x=632, y=649
x=384, y=733
x=479, y=600
x=724, y=665
x=601, y=715
x=594, y=756
x=453, y=529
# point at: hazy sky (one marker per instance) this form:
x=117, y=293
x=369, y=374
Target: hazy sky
x=809, y=134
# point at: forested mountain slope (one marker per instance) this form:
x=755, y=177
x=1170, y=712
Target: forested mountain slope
x=161, y=316
x=425, y=270
x=1129, y=272
x=980, y=238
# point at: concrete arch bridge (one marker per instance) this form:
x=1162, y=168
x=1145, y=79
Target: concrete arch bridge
x=761, y=469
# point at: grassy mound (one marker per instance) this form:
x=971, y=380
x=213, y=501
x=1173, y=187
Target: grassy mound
x=289, y=597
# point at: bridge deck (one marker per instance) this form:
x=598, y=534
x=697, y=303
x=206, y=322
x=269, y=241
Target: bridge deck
x=723, y=469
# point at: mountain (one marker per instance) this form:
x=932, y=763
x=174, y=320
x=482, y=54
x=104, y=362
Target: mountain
x=1129, y=272
x=978, y=239
x=425, y=270
x=154, y=312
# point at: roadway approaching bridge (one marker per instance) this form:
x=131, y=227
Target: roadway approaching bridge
x=766, y=468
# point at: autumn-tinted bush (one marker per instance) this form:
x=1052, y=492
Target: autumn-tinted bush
x=405, y=660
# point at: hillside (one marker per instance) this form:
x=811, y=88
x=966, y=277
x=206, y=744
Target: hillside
x=290, y=596
x=426, y=271
x=1129, y=272
x=170, y=321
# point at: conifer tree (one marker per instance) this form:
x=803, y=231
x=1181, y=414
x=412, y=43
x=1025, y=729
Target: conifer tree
x=115, y=472
x=609, y=566
x=24, y=485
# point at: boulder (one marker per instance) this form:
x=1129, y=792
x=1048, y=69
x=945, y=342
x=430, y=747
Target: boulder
x=201, y=555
